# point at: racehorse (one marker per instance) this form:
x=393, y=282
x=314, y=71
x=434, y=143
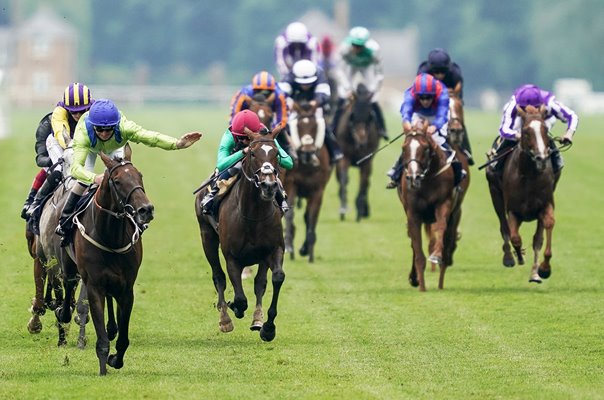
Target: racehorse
x=456, y=125
x=308, y=178
x=524, y=191
x=429, y=196
x=46, y=269
x=249, y=232
x=263, y=106
x=357, y=135
x=107, y=253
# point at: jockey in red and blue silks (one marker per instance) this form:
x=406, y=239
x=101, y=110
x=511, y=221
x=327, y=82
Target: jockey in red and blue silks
x=427, y=98
x=511, y=123
x=264, y=83
x=295, y=44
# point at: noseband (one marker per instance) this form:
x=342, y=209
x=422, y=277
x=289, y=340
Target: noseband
x=424, y=168
x=126, y=207
x=265, y=169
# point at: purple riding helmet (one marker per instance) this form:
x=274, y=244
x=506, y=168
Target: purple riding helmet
x=104, y=113
x=528, y=95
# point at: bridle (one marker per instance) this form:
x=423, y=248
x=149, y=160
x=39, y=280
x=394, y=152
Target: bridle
x=265, y=169
x=428, y=158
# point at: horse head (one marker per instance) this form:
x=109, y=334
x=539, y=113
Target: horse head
x=456, y=126
x=122, y=189
x=308, y=134
x=261, y=163
x=262, y=106
x=418, y=152
x=534, y=140
x=361, y=115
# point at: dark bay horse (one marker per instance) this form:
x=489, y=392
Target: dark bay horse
x=107, y=253
x=249, y=232
x=357, y=135
x=525, y=192
x=429, y=197
x=47, y=271
x=308, y=178
x=456, y=124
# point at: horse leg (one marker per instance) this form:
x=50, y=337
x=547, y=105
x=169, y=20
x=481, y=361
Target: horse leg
x=431, y=241
x=313, y=208
x=419, y=259
x=96, y=300
x=537, y=244
x=209, y=240
x=514, y=224
x=112, y=325
x=259, y=290
x=268, y=331
x=361, y=200
x=304, y=248
x=342, y=175
x=239, y=303
x=499, y=206
x=439, y=230
x=548, y=223
x=82, y=310
x=290, y=226
x=124, y=304
x=63, y=313
x=37, y=306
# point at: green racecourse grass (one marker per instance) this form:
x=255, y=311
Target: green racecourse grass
x=349, y=325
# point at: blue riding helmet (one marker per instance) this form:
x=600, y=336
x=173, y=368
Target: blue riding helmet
x=104, y=113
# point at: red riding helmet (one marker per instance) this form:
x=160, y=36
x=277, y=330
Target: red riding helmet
x=245, y=119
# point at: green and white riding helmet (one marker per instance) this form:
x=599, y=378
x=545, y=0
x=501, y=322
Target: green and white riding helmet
x=358, y=35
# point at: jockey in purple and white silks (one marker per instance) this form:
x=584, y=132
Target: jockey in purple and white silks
x=511, y=123
x=359, y=61
x=294, y=44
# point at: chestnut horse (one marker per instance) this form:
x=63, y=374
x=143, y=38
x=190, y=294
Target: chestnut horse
x=357, y=135
x=47, y=271
x=524, y=191
x=308, y=178
x=107, y=252
x=429, y=197
x=249, y=232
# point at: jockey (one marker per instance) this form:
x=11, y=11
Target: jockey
x=440, y=66
x=295, y=44
x=234, y=145
x=308, y=82
x=359, y=54
x=511, y=123
x=265, y=84
x=427, y=98
x=104, y=128
x=327, y=62
x=50, y=143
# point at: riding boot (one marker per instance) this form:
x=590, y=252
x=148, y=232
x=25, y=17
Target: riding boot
x=458, y=172
x=337, y=115
x=395, y=173
x=207, y=203
x=500, y=145
x=557, y=160
x=380, y=121
x=49, y=185
x=65, y=222
x=467, y=149
x=333, y=148
x=30, y=198
x=281, y=197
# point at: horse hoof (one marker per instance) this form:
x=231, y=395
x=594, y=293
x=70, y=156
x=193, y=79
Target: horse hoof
x=535, y=280
x=508, y=262
x=413, y=282
x=256, y=326
x=267, y=335
x=115, y=362
x=435, y=259
x=304, y=250
x=544, y=273
x=226, y=327
x=342, y=217
x=82, y=342
x=34, y=325
x=62, y=342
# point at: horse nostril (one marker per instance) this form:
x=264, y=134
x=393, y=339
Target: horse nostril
x=146, y=211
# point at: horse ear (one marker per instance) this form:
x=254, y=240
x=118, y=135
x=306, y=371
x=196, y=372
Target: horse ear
x=276, y=131
x=127, y=152
x=248, y=132
x=108, y=161
x=520, y=111
x=271, y=98
x=543, y=110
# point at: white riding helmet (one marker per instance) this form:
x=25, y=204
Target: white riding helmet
x=296, y=32
x=305, y=72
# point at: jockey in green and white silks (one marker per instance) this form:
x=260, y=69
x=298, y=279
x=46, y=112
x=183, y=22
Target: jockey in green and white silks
x=104, y=128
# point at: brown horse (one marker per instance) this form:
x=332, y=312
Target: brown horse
x=308, y=178
x=357, y=135
x=47, y=272
x=249, y=232
x=263, y=106
x=107, y=253
x=456, y=125
x=429, y=197
x=524, y=191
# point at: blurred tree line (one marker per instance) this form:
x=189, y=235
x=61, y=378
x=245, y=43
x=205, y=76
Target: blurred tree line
x=498, y=44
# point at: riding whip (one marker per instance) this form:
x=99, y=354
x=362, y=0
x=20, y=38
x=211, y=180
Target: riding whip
x=499, y=157
x=368, y=156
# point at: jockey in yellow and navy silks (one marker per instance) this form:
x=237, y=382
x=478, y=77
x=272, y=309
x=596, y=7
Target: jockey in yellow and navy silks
x=232, y=149
x=104, y=128
x=52, y=131
x=511, y=123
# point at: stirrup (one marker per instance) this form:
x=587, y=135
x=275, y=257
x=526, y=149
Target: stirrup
x=391, y=185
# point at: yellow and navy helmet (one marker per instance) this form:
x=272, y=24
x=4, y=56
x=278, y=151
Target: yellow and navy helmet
x=76, y=98
x=263, y=81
